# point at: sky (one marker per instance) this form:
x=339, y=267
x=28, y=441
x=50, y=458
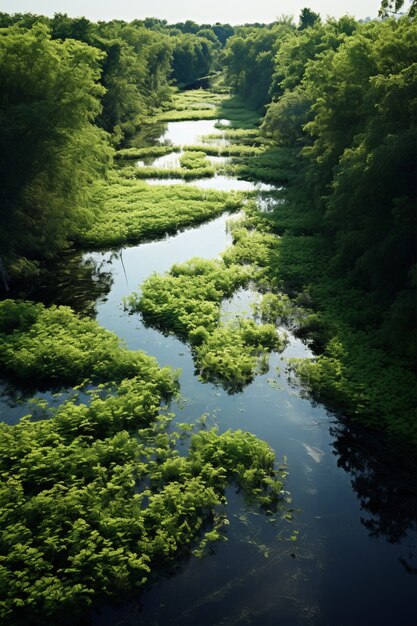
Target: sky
x=200, y=11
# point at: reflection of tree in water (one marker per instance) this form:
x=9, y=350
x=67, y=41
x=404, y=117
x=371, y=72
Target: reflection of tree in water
x=149, y=135
x=384, y=479
x=71, y=280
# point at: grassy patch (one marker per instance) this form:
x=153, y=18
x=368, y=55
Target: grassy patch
x=91, y=509
x=235, y=110
x=186, y=301
x=249, y=136
x=232, y=150
x=186, y=115
x=207, y=171
x=54, y=345
x=149, y=151
x=195, y=104
x=269, y=165
x=134, y=211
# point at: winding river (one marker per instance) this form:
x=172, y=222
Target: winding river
x=354, y=561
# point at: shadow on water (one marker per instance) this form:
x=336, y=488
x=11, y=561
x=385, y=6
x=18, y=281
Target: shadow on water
x=73, y=280
x=385, y=482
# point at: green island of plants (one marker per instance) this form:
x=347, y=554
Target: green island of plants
x=196, y=104
x=193, y=164
x=52, y=344
x=135, y=211
x=186, y=301
x=90, y=510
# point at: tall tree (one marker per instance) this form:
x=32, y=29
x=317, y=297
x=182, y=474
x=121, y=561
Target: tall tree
x=308, y=18
x=50, y=150
x=394, y=6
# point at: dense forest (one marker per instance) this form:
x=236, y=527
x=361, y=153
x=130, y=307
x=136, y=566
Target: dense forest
x=326, y=111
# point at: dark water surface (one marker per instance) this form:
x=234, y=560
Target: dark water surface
x=354, y=562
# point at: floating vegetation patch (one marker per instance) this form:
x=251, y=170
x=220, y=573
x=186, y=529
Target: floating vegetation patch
x=52, y=344
x=189, y=296
x=229, y=150
x=191, y=165
x=253, y=244
x=149, y=151
x=134, y=211
x=186, y=302
x=195, y=104
x=234, y=352
x=237, y=135
x=236, y=111
x=92, y=510
x=186, y=115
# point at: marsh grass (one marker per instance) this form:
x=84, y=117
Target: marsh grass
x=235, y=110
x=196, y=104
x=149, y=151
x=134, y=211
x=54, y=345
x=186, y=302
x=219, y=150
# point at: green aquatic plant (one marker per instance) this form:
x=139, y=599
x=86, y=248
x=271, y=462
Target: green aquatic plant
x=194, y=160
x=186, y=114
x=237, y=112
x=149, y=151
x=134, y=211
x=189, y=296
x=232, y=353
x=239, y=135
x=192, y=105
x=90, y=509
x=219, y=150
x=53, y=344
x=186, y=302
x=206, y=170
x=193, y=164
x=253, y=245
x=276, y=308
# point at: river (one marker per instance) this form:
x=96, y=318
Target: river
x=352, y=562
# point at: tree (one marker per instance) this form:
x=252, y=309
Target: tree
x=50, y=150
x=393, y=6
x=308, y=18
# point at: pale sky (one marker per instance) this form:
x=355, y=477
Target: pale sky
x=201, y=11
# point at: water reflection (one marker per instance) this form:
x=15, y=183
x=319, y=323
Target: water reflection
x=73, y=279
x=220, y=182
x=189, y=132
x=385, y=481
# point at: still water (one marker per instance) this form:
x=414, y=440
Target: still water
x=354, y=563
x=335, y=573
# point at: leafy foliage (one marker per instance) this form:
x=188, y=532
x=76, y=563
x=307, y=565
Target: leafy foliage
x=186, y=301
x=89, y=509
x=344, y=98
x=48, y=103
x=55, y=345
x=134, y=211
